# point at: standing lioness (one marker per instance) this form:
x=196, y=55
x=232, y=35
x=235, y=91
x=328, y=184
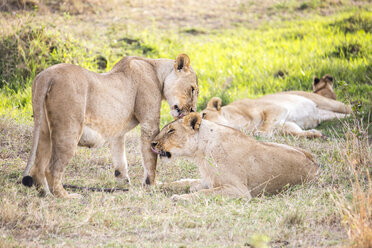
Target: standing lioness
x=73, y=106
x=230, y=162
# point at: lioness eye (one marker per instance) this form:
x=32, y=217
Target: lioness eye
x=192, y=89
x=203, y=116
x=171, y=130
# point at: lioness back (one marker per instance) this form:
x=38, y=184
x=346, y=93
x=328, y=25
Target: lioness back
x=231, y=162
x=268, y=167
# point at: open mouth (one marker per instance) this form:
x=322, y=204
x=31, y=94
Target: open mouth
x=154, y=150
x=161, y=153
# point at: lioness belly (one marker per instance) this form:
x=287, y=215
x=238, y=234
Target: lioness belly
x=91, y=138
x=97, y=133
x=301, y=111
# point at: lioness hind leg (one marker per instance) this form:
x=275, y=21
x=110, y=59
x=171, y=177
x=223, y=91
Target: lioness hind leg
x=64, y=143
x=119, y=158
x=42, y=158
x=324, y=115
x=293, y=129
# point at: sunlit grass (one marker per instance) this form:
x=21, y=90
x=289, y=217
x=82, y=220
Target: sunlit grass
x=250, y=59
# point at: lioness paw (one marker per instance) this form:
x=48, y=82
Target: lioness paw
x=177, y=198
x=324, y=136
x=315, y=133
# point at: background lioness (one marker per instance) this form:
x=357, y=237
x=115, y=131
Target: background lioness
x=230, y=162
x=289, y=112
x=73, y=106
x=323, y=86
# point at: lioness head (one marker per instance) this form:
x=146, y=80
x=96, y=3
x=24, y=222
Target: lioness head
x=181, y=87
x=178, y=138
x=213, y=111
x=323, y=86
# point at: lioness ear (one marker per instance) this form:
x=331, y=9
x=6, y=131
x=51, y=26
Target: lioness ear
x=316, y=80
x=329, y=78
x=193, y=120
x=215, y=103
x=182, y=63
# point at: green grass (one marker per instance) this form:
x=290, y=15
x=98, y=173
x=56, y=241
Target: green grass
x=250, y=58
x=233, y=61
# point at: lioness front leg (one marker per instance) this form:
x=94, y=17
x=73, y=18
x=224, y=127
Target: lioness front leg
x=119, y=158
x=295, y=130
x=149, y=158
x=229, y=191
x=187, y=184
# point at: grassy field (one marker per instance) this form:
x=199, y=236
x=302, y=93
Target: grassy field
x=238, y=50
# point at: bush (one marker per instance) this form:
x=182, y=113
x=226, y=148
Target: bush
x=28, y=51
x=355, y=23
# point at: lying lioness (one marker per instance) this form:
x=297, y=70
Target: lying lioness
x=231, y=163
x=288, y=112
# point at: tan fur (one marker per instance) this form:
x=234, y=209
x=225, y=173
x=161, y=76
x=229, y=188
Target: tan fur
x=288, y=112
x=231, y=163
x=75, y=106
x=323, y=86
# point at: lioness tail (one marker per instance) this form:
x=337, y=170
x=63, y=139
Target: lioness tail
x=42, y=85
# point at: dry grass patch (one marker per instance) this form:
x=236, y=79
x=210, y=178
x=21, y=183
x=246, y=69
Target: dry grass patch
x=301, y=216
x=73, y=7
x=188, y=15
x=357, y=213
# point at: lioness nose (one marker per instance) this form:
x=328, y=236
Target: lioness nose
x=153, y=144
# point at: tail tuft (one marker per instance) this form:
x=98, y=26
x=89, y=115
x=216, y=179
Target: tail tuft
x=27, y=181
